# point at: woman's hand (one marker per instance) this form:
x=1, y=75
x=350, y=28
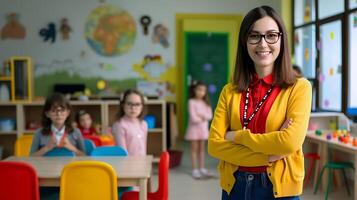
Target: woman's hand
x=273, y=158
x=230, y=136
x=286, y=124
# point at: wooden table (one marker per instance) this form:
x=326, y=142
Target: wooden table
x=323, y=145
x=131, y=170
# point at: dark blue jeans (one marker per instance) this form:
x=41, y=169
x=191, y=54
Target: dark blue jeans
x=252, y=186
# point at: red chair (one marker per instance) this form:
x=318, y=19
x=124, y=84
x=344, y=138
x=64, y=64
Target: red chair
x=18, y=181
x=163, y=190
x=313, y=157
x=95, y=139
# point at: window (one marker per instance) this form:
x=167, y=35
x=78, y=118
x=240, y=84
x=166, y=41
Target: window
x=304, y=11
x=324, y=54
x=353, y=4
x=328, y=8
x=305, y=50
x=330, y=78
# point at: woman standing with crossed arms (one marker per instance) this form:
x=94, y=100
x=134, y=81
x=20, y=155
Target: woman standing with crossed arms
x=261, y=118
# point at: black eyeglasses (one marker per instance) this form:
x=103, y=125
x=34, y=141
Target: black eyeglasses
x=133, y=105
x=270, y=38
x=58, y=110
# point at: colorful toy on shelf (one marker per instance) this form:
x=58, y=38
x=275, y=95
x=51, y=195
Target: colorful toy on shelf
x=340, y=138
x=354, y=142
x=334, y=135
x=346, y=140
x=313, y=126
x=333, y=125
x=343, y=138
x=344, y=132
x=318, y=132
x=348, y=136
x=328, y=136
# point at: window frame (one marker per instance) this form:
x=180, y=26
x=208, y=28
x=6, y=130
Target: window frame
x=344, y=18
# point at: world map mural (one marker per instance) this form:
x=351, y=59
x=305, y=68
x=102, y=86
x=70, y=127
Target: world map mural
x=110, y=30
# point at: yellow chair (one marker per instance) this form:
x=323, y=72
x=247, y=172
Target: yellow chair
x=88, y=180
x=23, y=145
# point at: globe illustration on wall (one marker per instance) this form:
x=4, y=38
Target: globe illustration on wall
x=110, y=30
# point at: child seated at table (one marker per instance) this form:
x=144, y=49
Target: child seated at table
x=130, y=130
x=57, y=130
x=85, y=123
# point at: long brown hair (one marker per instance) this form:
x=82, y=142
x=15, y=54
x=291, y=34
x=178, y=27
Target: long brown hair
x=123, y=99
x=193, y=87
x=244, y=68
x=53, y=101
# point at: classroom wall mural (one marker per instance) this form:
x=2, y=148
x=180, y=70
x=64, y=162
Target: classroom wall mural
x=116, y=42
x=49, y=32
x=13, y=29
x=158, y=77
x=110, y=30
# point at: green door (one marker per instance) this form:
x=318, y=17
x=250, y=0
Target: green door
x=206, y=59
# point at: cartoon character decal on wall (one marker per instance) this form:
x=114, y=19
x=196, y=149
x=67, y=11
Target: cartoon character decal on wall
x=160, y=35
x=49, y=33
x=145, y=21
x=158, y=77
x=65, y=29
x=13, y=29
x=154, y=66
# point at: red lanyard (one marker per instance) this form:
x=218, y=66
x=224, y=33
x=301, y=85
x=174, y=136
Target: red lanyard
x=257, y=107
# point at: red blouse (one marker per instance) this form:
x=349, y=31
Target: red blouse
x=258, y=88
x=90, y=131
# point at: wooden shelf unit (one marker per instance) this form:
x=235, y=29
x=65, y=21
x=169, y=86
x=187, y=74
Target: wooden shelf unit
x=329, y=121
x=102, y=112
x=20, y=80
x=5, y=78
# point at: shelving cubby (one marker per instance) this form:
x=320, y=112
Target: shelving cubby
x=102, y=112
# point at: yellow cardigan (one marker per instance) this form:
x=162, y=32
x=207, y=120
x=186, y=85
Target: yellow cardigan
x=250, y=149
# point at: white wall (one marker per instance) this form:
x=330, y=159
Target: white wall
x=36, y=14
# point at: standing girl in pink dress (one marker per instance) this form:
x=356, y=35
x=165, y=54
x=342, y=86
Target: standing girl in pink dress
x=200, y=113
x=130, y=130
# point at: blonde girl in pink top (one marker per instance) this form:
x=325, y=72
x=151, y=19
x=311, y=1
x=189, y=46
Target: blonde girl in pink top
x=130, y=130
x=200, y=113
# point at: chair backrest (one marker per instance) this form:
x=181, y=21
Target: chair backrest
x=163, y=189
x=86, y=180
x=107, y=140
x=18, y=181
x=23, y=145
x=89, y=146
x=60, y=152
x=97, y=141
x=109, y=151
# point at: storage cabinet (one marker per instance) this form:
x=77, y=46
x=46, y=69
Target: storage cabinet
x=325, y=122
x=328, y=121
x=103, y=112
x=19, y=80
